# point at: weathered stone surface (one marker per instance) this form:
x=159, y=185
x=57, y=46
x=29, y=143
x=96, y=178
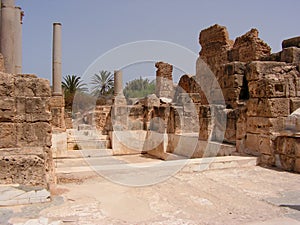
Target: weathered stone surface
x=21, y=195
x=249, y=47
x=288, y=146
x=294, y=104
x=275, y=107
x=2, y=68
x=262, y=125
x=57, y=106
x=297, y=165
x=291, y=42
x=258, y=70
x=191, y=90
x=234, y=68
x=164, y=80
x=25, y=130
x=152, y=101
x=259, y=144
x=290, y=55
x=6, y=84
x=8, y=135
x=215, y=43
x=273, y=86
x=23, y=169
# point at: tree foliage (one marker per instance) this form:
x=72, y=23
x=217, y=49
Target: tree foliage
x=71, y=85
x=139, y=88
x=102, y=84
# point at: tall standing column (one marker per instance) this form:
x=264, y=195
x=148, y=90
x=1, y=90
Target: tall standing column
x=118, y=82
x=7, y=37
x=18, y=38
x=57, y=60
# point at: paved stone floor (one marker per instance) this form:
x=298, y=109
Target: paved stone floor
x=250, y=195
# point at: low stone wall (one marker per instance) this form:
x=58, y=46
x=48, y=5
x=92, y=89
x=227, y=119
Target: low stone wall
x=25, y=131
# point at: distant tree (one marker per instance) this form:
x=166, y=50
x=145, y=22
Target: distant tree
x=139, y=88
x=103, y=84
x=71, y=85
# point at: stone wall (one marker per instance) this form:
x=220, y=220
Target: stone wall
x=25, y=131
x=260, y=90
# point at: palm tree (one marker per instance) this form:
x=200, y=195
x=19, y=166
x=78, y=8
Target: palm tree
x=103, y=83
x=71, y=85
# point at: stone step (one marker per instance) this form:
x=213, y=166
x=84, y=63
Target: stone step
x=87, y=153
x=113, y=165
x=88, y=144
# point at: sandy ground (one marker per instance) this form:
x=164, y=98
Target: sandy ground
x=251, y=195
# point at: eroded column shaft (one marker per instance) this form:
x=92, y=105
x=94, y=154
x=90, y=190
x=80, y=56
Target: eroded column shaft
x=118, y=82
x=57, y=60
x=7, y=37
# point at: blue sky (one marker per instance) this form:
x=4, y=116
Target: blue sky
x=93, y=27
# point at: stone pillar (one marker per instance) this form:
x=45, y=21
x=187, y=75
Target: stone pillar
x=7, y=37
x=56, y=61
x=18, y=38
x=118, y=82
x=119, y=98
x=164, y=81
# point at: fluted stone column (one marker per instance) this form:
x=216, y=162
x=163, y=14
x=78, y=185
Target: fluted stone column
x=7, y=37
x=57, y=60
x=18, y=37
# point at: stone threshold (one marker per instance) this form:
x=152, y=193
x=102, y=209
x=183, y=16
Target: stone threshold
x=15, y=194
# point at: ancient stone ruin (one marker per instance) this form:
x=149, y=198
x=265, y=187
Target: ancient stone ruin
x=260, y=92
x=243, y=100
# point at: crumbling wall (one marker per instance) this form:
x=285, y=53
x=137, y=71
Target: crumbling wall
x=260, y=90
x=25, y=131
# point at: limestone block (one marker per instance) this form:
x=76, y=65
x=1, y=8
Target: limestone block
x=291, y=42
x=290, y=55
x=287, y=146
x=233, y=81
x=42, y=88
x=35, y=134
x=257, y=144
x=8, y=135
x=287, y=162
x=262, y=125
x=266, y=159
x=23, y=169
x=234, y=68
x=2, y=68
x=249, y=47
x=230, y=132
x=231, y=94
x=25, y=85
x=240, y=145
x=294, y=104
x=152, y=101
x=205, y=128
x=36, y=105
x=298, y=87
x=215, y=43
x=275, y=107
x=258, y=70
x=57, y=101
x=184, y=98
x=7, y=109
x=6, y=85
x=205, y=111
x=297, y=165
